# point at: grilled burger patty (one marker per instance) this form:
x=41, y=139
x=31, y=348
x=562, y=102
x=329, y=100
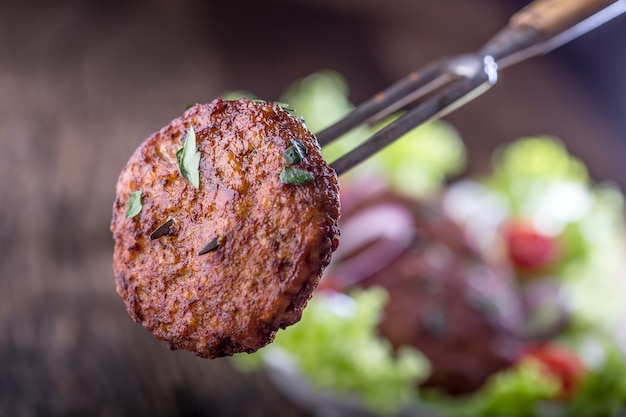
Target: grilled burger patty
x=445, y=299
x=219, y=268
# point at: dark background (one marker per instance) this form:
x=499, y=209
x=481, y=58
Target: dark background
x=83, y=83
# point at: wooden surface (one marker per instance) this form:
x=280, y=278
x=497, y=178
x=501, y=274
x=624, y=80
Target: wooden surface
x=83, y=83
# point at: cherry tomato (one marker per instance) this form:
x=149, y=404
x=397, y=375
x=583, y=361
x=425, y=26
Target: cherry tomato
x=559, y=363
x=528, y=249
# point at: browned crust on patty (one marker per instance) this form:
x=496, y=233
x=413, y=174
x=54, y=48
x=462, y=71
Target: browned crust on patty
x=274, y=239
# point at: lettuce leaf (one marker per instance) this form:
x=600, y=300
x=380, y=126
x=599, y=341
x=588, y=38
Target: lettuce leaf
x=335, y=346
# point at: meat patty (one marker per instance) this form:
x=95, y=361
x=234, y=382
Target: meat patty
x=445, y=299
x=218, y=269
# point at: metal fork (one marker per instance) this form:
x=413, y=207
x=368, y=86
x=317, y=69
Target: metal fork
x=450, y=83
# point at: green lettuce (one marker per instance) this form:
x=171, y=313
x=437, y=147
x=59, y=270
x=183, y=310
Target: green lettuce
x=335, y=346
x=524, y=391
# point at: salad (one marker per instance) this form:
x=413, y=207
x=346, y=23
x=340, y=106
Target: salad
x=498, y=295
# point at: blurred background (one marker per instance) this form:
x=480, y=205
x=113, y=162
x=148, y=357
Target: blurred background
x=83, y=83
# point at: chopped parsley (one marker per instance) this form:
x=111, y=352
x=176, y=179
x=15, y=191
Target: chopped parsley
x=189, y=159
x=283, y=106
x=295, y=176
x=134, y=204
x=295, y=153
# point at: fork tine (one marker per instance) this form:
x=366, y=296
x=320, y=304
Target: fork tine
x=414, y=85
x=432, y=108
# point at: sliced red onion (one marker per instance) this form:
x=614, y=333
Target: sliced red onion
x=371, y=240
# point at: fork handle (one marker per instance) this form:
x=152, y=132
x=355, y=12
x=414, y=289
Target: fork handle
x=551, y=17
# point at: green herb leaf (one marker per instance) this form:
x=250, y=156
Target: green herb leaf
x=134, y=204
x=295, y=153
x=300, y=147
x=189, y=159
x=291, y=155
x=282, y=105
x=285, y=106
x=295, y=176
